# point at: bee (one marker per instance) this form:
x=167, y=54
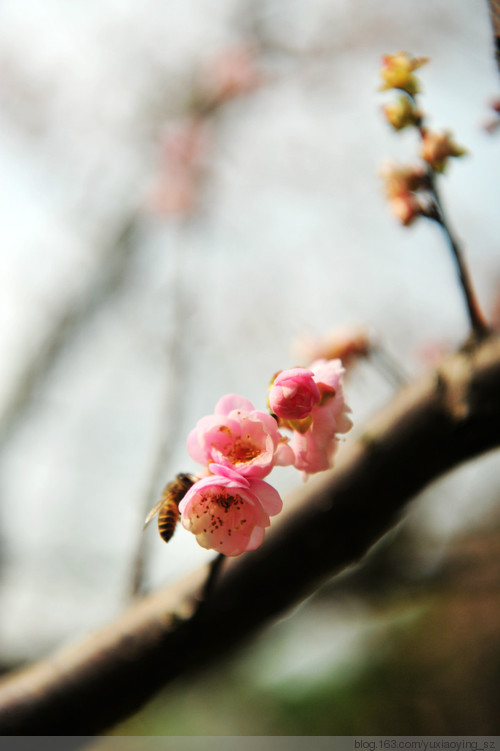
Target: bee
x=167, y=507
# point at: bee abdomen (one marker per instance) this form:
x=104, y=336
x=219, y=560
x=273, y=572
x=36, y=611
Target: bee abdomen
x=167, y=521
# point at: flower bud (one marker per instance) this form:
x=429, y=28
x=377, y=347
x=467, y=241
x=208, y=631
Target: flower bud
x=406, y=208
x=293, y=394
x=402, y=113
x=401, y=179
x=397, y=72
x=402, y=185
x=437, y=147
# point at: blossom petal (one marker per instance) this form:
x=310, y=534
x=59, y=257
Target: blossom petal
x=284, y=455
x=232, y=401
x=229, y=473
x=256, y=538
x=268, y=496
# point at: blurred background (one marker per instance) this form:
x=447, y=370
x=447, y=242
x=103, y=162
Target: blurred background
x=190, y=198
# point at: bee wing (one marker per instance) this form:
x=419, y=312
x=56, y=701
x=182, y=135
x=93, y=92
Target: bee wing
x=153, y=512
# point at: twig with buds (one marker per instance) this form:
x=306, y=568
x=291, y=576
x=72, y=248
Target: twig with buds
x=412, y=190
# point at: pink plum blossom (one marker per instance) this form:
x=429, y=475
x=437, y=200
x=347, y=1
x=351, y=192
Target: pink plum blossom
x=293, y=394
x=315, y=441
x=241, y=438
x=227, y=512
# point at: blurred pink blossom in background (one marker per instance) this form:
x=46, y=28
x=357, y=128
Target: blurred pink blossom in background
x=231, y=73
x=184, y=148
x=345, y=343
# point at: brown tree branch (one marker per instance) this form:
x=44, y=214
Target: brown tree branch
x=432, y=426
x=495, y=21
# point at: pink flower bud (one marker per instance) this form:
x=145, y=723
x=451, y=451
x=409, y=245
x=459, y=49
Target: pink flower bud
x=227, y=512
x=293, y=394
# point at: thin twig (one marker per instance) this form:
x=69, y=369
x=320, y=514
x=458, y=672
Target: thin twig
x=435, y=211
x=477, y=319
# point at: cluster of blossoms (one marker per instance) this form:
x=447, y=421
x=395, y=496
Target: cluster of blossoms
x=238, y=446
x=408, y=187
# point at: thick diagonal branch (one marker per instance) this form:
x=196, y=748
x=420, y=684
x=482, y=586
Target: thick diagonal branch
x=431, y=427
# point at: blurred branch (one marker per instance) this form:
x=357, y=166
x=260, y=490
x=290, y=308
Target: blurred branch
x=495, y=20
x=110, y=275
x=432, y=425
x=171, y=409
